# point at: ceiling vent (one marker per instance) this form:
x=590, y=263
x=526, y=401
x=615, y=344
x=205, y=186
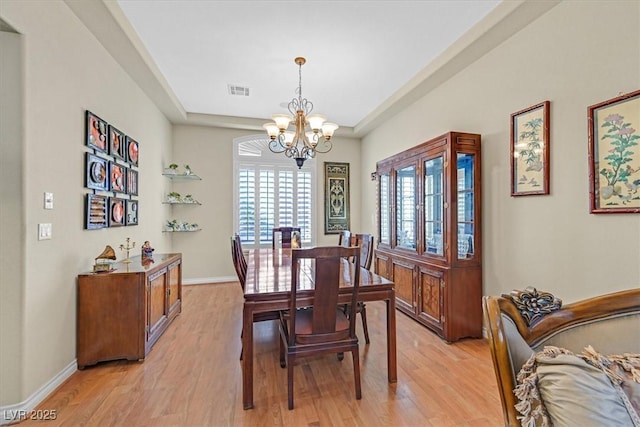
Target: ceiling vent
x=238, y=90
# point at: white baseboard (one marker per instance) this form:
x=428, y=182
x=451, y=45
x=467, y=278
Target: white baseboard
x=204, y=280
x=20, y=411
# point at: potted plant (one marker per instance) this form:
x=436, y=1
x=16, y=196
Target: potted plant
x=173, y=197
x=172, y=169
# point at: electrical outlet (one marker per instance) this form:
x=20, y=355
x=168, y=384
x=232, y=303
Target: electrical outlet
x=44, y=231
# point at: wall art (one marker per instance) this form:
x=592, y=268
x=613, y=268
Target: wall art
x=96, y=172
x=336, y=198
x=117, y=144
x=96, y=132
x=117, y=177
x=530, y=151
x=96, y=212
x=614, y=155
x=116, y=212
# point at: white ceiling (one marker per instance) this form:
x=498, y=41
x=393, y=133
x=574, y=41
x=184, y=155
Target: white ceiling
x=359, y=53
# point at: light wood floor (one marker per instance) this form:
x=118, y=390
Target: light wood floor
x=192, y=377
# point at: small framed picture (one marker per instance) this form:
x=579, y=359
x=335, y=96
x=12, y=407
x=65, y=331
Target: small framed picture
x=117, y=143
x=117, y=177
x=132, y=212
x=96, y=132
x=614, y=155
x=96, y=172
x=132, y=151
x=132, y=182
x=530, y=151
x=116, y=212
x=96, y=212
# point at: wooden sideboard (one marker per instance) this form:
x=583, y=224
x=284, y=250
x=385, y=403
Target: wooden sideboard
x=121, y=314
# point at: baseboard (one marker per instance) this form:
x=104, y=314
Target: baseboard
x=206, y=280
x=23, y=410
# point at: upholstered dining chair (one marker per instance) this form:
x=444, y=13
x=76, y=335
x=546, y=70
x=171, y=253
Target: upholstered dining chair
x=240, y=264
x=323, y=328
x=286, y=234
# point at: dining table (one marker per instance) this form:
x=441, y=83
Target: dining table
x=267, y=288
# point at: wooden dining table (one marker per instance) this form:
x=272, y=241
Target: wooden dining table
x=267, y=288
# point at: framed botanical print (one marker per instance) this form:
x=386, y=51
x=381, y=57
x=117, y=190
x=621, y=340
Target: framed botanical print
x=614, y=155
x=96, y=133
x=530, y=151
x=336, y=198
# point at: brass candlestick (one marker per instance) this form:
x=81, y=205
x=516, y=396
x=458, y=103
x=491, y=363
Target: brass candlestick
x=127, y=248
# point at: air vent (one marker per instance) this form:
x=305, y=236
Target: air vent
x=238, y=90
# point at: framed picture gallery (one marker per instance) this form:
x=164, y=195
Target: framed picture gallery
x=110, y=173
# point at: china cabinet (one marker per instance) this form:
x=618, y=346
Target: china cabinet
x=429, y=227
x=121, y=314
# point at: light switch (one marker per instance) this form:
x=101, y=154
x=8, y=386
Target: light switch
x=44, y=231
x=48, y=200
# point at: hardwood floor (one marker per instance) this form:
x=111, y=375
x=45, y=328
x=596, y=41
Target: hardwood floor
x=192, y=377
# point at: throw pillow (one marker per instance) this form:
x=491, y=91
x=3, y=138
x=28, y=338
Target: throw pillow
x=559, y=388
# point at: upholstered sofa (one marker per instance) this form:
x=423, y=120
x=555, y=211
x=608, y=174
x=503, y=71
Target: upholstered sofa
x=568, y=365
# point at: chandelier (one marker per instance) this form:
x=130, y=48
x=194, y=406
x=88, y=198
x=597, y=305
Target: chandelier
x=300, y=144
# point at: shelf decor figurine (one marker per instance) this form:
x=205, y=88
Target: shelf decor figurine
x=187, y=170
x=128, y=246
x=147, y=250
x=104, y=260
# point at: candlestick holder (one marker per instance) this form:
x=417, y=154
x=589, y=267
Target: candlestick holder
x=127, y=247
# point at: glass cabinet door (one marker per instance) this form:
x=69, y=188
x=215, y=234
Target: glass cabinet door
x=465, y=186
x=434, y=206
x=406, y=207
x=385, y=209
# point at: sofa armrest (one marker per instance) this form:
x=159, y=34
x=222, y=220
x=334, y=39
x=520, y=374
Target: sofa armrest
x=521, y=322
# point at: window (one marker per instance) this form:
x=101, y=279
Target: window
x=270, y=191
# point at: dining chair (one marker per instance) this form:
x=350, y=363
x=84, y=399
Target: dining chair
x=285, y=233
x=344, y=238
x=322, y=328
x=365, y=242
x=240, y=264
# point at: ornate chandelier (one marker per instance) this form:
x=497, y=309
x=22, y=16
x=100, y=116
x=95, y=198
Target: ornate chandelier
x=300, y=144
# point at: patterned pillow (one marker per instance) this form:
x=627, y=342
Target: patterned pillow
x=559, y=388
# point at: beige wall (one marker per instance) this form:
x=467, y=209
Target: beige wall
x=65, y=72
x=576, y=55
x=208, y=151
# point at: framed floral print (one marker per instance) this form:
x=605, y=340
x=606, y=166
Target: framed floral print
x=530, y=151
x=614, y=155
